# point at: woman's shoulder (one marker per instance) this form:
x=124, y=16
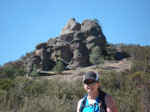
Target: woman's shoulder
x=79, y=104
x=80, y=101
x=108, y=98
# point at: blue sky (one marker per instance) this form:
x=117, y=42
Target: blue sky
x=25, y=23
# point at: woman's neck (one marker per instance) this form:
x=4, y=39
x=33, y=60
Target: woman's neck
x=93, y=95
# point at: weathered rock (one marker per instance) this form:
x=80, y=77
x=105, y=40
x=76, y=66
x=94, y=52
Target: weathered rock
x=29, y=65
x=91, y=27
x=80, y=55
x=91, y=39
x=67, y=38
x=71, y=26
x=51, y=42
x=63, y=52
x=73, y=46
x=41, y=45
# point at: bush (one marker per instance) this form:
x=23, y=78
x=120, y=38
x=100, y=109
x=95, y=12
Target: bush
x=6, y=84
x=40, y=95
x=59, y=67
x=130, y=90
x=34, y=72
x=96, y=56
x=12, y=70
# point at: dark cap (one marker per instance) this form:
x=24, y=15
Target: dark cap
x=90, y=75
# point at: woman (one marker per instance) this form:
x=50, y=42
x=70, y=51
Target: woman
x=95, y=100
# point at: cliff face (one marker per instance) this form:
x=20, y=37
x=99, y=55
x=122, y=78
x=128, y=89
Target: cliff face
x=72, y=46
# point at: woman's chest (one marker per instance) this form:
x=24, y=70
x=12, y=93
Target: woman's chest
x=91, y=106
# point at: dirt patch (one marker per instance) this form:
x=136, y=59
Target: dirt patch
x=77, y=74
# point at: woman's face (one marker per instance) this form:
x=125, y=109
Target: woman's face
x=91, y=87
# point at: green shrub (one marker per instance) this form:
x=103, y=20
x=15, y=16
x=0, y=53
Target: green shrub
x=96, y=56
x=130, y=90
x=34, y=72
x=11, y=71
x=59, y=67
x=40, y=95
x=35, y=88
x=6, y=84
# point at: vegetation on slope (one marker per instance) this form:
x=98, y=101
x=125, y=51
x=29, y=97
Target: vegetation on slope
x=130, y=89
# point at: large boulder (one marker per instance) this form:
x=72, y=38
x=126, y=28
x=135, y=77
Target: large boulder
x=71, y=26
x=67, y=37
x=80, y=54
x=61, y=50
x=41, y=45
x=91, y=27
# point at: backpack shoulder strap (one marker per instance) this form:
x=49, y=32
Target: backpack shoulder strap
x=101, y=100
x=83, y=103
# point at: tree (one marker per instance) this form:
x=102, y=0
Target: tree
x=59, y=67
x=11, y=71
x=34, y=71
x=96, y=56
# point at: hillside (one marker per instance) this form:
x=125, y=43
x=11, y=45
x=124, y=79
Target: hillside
x=50, y=78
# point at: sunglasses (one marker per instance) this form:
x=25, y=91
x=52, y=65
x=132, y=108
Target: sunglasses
x=88, y=82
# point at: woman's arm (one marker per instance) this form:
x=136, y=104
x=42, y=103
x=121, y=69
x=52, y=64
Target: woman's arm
x=78, y=105
x=111, y=106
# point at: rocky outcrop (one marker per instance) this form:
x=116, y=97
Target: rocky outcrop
x=71, y=27
x=73, y=46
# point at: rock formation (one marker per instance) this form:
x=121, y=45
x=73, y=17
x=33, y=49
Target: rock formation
x=72, y=46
